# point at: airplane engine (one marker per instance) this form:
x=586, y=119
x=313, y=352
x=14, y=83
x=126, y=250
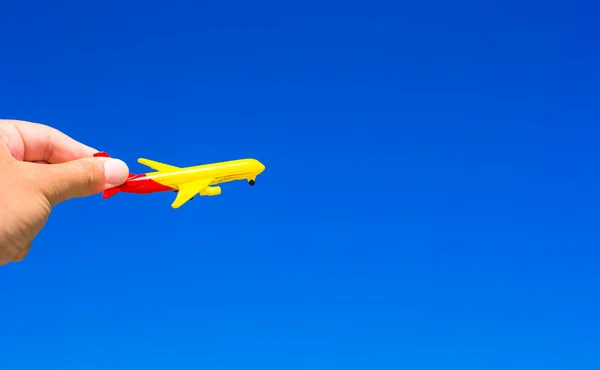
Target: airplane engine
x=213, y=190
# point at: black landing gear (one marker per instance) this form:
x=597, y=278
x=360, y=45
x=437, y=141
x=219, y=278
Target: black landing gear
x=251, y=182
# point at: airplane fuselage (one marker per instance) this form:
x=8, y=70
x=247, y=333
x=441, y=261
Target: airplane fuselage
x=242, y=169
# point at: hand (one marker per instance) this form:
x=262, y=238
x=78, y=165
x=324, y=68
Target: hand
x=39, y=168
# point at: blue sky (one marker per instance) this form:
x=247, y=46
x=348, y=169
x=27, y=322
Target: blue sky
x=430, y=198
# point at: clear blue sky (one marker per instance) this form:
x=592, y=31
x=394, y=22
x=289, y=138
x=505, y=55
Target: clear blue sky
x=431, y=197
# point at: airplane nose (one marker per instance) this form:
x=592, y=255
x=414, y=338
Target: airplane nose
x=258, y=167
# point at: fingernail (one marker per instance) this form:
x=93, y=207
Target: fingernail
x=115, y=172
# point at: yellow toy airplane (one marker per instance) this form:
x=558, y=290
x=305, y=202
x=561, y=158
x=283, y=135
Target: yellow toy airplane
x=188, y=181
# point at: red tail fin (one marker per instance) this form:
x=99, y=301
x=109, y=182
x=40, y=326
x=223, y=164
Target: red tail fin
x=104, y=154
x=101, y=154
x=109, y=192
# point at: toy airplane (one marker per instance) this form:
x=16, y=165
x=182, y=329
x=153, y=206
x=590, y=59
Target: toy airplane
x=188, y=181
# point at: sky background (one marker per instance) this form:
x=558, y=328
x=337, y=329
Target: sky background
x=430, y=200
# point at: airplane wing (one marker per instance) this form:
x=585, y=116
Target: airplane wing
x=157, y=165
x=188, y=190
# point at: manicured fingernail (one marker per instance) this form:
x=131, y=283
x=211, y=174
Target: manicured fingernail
x=115, y=172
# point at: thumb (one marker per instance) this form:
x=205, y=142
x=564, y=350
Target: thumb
x=82, y=177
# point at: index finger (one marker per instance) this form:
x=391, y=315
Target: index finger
x=29, y=141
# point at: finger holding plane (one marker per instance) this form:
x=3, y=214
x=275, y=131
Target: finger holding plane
x=34, y=142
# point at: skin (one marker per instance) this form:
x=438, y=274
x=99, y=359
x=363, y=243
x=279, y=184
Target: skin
x=41, y=167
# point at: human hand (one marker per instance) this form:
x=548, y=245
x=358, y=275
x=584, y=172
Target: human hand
x=39, y=168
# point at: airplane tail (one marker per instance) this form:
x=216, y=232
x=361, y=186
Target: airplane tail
x=109, y=192
x=104, y=154
x=101, y=154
